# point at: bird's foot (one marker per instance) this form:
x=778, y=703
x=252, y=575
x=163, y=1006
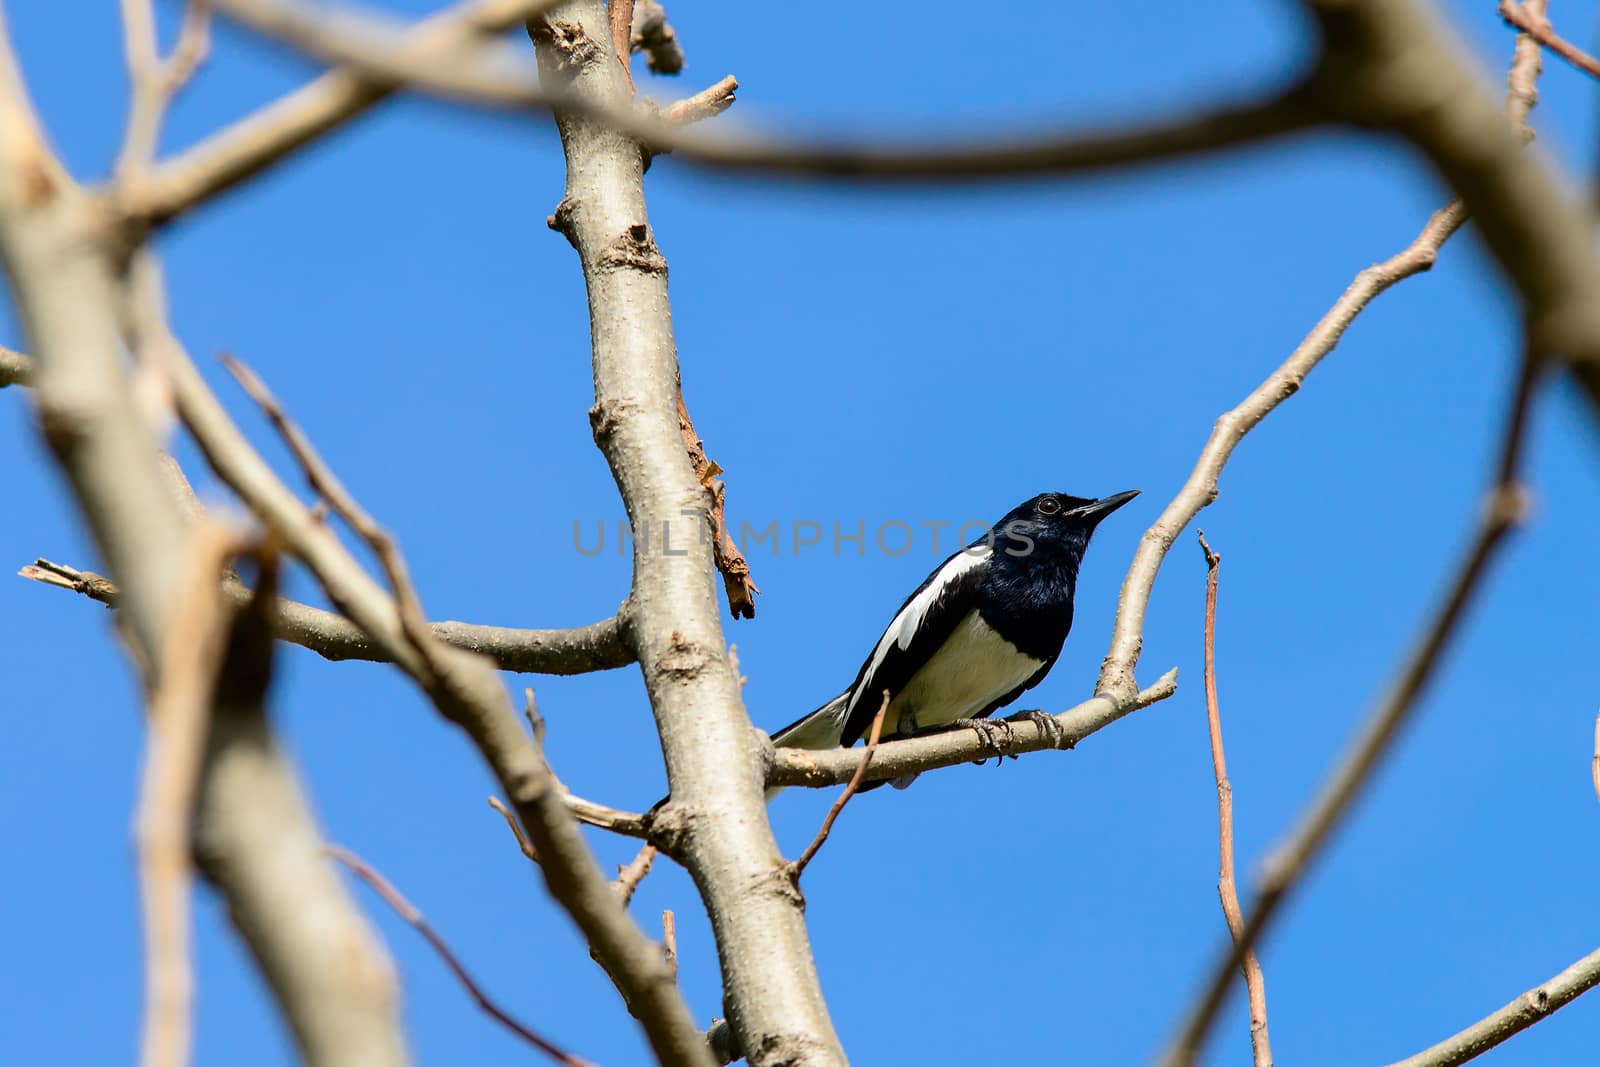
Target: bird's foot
x=1049, y=726
x=990, y=731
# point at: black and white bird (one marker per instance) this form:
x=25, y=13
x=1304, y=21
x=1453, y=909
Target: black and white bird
x=984, y=628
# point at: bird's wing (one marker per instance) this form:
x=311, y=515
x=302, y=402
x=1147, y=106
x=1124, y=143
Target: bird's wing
x=923, y=623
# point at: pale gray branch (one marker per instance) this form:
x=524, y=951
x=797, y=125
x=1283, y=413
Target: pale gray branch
x=715, y=820
x=1534, y=1005
x=836, y=766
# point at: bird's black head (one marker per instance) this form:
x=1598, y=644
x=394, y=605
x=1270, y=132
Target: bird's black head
x=1054, y=523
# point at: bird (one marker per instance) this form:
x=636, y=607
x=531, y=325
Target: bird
x=984, y=628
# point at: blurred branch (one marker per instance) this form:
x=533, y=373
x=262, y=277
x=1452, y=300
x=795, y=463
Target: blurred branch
x=462, y=686
x=1534, y=1005
x=156, y=81
x=413, y=916
x=15, y=368
x=1532, y=22
x=180, y=708
x=493, y=77
x=653, y=35
x=1227, y=886
x=798, y=867
x=515, y=827
x=1504, y=508
x=707, y=103
x=796, y=766
x=275, y=132
x=629, y=876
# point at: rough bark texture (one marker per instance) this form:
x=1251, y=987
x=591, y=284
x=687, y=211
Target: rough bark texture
x=716, y=818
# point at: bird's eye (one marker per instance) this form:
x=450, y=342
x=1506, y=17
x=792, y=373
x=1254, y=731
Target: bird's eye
x=1049, y=506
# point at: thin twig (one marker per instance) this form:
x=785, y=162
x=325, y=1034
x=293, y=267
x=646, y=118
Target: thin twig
x=1504, y=509
x=179, y=710
x=669, y=940
x=515, y=827
x=725, y=552
x=1535, y=25
x=156, y=81
x=709, y=102
x=414, y=917
x=1594, y=764
x=629, y=877
x=798, y=867
x=1227, y=884
x=1531, y=1007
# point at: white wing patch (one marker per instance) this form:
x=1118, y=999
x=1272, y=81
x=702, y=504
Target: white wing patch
x=903, y=628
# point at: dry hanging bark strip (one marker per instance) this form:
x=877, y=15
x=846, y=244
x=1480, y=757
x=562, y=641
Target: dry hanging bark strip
x=725, y=552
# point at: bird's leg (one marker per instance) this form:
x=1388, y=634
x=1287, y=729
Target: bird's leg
x=988, y=731
x=1049, y=726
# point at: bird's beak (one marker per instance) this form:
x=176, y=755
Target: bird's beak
x=1101, y=508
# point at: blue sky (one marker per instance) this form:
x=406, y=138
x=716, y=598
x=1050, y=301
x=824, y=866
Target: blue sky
x=875, y=356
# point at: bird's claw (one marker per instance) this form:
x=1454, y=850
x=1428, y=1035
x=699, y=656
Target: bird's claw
x=1049, y=726
x=988, y=731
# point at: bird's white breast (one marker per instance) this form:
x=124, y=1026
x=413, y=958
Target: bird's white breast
x=972, y=669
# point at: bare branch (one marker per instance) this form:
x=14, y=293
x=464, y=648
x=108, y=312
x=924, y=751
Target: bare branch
x=707, y=103
x=796, y=766
x=1534, y=24
x=515, y=827
x=629, y=876
x=414, y=918
x=464, y=689
x=1227, y=886
x=492, y=77
x=1202, y=485
x=278, y=130
x=15, y=368
x=798, y=867
x=1503, y=510
x=654, y=36
x=1594, y=764
x=156, y=81
x=669, y=939
x=620, y=13
x=596, y=647
x=180, y=708
x=724, y=550
x=1534, y=1005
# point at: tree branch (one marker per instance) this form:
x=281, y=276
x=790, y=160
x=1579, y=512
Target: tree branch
x=836, y=766
x=715, y=820
x=1536, y=1004
x=725, y=552
x=462, y=686
x=491, y=77
x=1227, y=887
x=1534, y=24
x=798, y=867
x=1503, y=510
x=414, y=918
x=278, y=130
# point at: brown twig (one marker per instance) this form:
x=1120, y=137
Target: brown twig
x=516, y=828
x=1227, y=885
x=620, y=14
x=1531, y=1007
x=1535, y=25
x=653, y=35
x=629, y=877
x=88, y=583
x=414, y=917
x=1504, y=509
x=669, y=940
x=724, y=550
x=798, y=867
x=179, y=711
